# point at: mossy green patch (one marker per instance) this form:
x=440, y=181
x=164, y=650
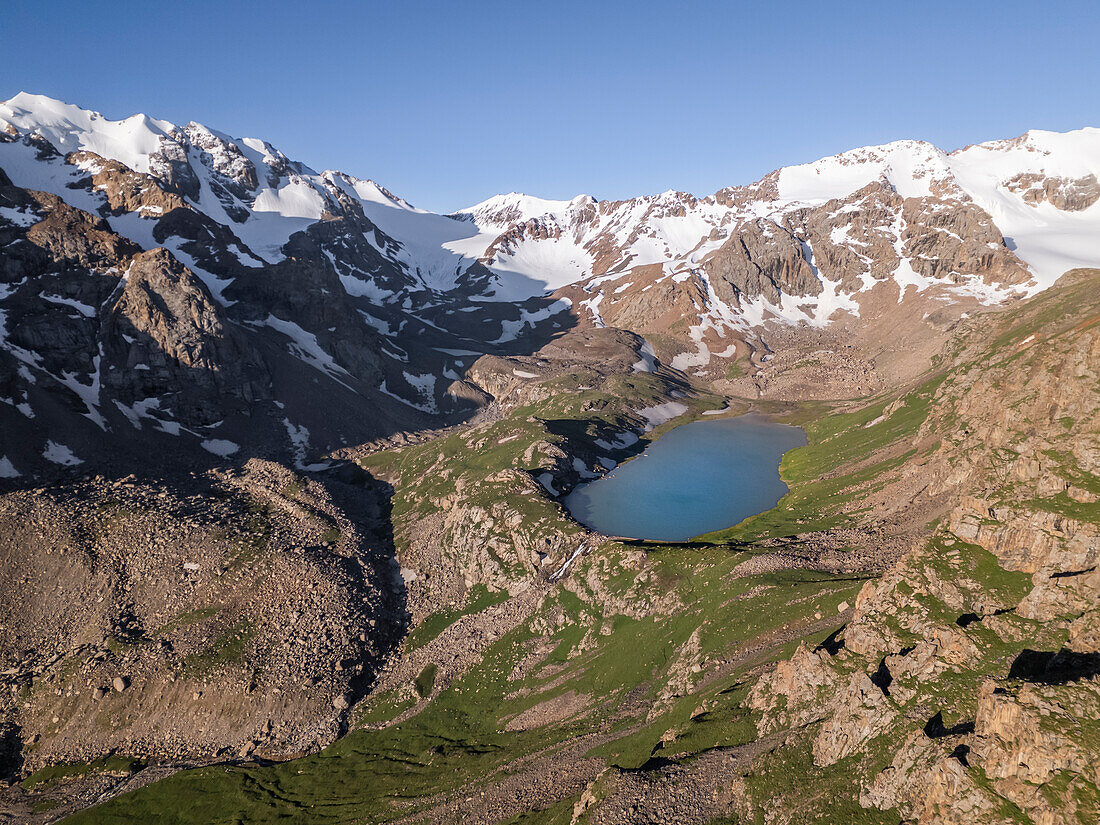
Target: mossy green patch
x=110, y=764
x=228, y=646
x=425, y=680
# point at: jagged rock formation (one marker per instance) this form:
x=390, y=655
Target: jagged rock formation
x=988, y=632
x=175, y=340
x=1067, y=194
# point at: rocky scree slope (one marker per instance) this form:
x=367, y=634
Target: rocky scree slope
x=182, y=620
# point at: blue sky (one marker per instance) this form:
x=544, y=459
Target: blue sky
x=446, y=103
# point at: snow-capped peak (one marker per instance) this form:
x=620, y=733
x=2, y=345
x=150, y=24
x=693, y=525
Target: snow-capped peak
x=502, y=211
x=368, y=191
x=1064, y=154
x=70, y=129
x=910, y=166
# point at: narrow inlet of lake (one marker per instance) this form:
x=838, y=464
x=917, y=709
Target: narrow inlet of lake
x=694, y=479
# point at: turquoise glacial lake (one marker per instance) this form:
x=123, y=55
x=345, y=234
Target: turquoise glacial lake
x=694, y=479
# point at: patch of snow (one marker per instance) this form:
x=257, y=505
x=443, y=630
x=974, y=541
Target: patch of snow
x=170, y=427
x=220, y=447
x=88, y=393
x=361, y=288
x=299, y=440
x=593, y=306
x=456, y=352
x=376, y=323
x=648, y=362
x=660, y=413
x=686, y=360
x=83, y=309
x=245, y=258
x=304, y=345
x=625, y=440
x=18, y=216
x=510, y=330
x=139, y=410
x=424, y=385
x=425, y=388
x=60, y=454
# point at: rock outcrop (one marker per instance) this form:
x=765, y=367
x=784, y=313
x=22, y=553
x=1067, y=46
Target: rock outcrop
x=166, y=336
x=974, y=664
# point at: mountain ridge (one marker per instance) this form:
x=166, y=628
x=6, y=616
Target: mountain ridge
x=378, y=297
x=908, y=175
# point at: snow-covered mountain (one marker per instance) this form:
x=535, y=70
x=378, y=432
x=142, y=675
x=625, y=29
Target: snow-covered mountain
x=1034, y=187
x=809, y=244
x=270, y=278
x=1039, y=189
x=275, y=276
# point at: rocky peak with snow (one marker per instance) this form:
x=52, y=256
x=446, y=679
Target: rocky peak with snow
x=329, y=279
x=501, y=212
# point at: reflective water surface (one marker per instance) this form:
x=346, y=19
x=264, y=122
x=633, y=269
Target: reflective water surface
x=694, y=479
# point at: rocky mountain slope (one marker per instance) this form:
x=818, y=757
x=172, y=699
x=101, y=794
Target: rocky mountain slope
x=907, y=638
x=130, y=589
x=964, y=688
x=293, y=277
x=132, y=311
x=282, y=459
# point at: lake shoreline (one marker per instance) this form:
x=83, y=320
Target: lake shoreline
x=697, y=477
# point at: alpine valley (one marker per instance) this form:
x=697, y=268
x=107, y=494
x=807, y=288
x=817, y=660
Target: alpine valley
x=282, y=462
